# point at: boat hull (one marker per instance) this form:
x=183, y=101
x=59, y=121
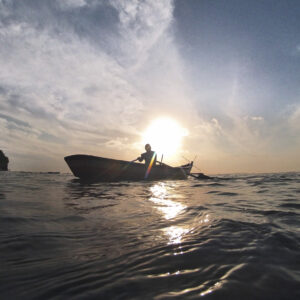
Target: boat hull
x=88, y=167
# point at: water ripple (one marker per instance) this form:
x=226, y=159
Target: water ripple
x=234, y=237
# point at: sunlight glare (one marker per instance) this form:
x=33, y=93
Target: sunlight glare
x=170, y=209
x=164, y=135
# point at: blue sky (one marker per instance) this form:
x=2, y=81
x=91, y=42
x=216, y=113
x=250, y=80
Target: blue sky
x=256, y=42
x=87, y=76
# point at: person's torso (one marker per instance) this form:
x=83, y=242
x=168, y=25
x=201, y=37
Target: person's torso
x=148, y=156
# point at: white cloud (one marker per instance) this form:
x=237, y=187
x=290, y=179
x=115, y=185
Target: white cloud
x=73, y=89
x=87, y=76
x=70, y=4
x=142, y=25
x=257, y=118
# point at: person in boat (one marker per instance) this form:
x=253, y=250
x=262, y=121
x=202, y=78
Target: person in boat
x=148, y=156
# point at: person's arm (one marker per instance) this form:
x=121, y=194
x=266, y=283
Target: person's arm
x=141, y=158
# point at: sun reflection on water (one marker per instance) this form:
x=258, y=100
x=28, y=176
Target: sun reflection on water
x=175, y=234
x=166, y=200
x=169, y=209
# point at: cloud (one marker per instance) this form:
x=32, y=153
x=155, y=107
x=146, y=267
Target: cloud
x=257, y=118
x=71, y=4
x=82, y=83
x=87, y=76
x=294, y=118
x=142, y=25
x=14, y=121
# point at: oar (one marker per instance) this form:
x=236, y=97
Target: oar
x=133, y=160
x=129, y=163
x=201, y=176
x=193, y=176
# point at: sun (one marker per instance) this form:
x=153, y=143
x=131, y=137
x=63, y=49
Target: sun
x=164, y=135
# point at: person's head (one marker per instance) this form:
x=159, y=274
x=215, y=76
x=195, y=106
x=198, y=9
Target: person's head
x=147, y=147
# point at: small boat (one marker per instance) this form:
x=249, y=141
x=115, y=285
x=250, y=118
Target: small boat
x=88, y=167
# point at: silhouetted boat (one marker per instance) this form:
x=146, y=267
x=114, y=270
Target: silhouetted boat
x=88, y=167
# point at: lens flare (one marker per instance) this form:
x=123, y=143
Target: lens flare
x=150, y=165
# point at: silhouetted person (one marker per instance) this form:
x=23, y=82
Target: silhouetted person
x=148, y=156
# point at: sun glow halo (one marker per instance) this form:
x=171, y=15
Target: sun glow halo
x=165, y=136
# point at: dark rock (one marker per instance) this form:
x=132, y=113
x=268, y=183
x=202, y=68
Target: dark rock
x=3, y=161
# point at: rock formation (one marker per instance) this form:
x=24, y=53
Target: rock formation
x=3, y=161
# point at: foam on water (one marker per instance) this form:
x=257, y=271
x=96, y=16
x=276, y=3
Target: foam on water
x=233, y=237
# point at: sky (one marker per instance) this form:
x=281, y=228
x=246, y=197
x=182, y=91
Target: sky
x=89, y=76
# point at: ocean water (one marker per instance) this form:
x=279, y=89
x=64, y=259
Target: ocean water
x=234, y=237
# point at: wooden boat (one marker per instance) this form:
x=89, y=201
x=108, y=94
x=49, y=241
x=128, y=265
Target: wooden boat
x=88, y=167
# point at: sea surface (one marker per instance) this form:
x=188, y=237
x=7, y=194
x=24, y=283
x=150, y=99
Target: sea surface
x=233, y=237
